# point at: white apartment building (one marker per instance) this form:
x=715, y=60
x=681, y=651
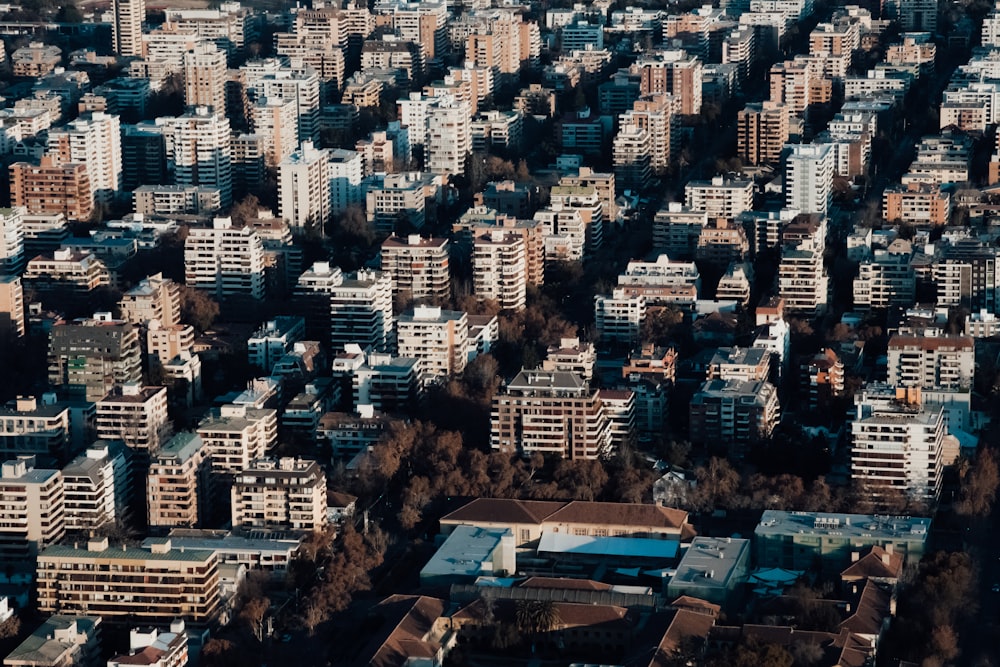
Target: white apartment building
x=721, y=197
x=886, y=279
x=30, y=426
x=273, y=340
x=394, y=196
x=224, y=260
x=12, y=257
x=631, y=152
x=418, y=266
x=304, y=187
x=136, y=415
x=618, y=317
x=438, y=338
x=809, y=170
x=499, y=268
x=153, y=298
x=449, y=137
x=301, y=86
x=158, y=648
x=32, y=507
x=198, y=146
x=275, y=121
x=931, y=361
x=347, y=171
x=89, y=491
x=93, y=139
x=361, y=311
x=205, y=77
x=284, y=494
x=898, y=450
x=178, y=482
x=126, y=27
x=662, y=282
x=235, y=436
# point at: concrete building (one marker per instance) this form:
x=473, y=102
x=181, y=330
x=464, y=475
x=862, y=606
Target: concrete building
x=347, y=171
x=178, y=483
x=631, y=152
x=89, y=492
x=383, y=381
x=151, y=585
x=361, y=311
x=128, y=16
x=33, y=503
x=571, y=355
x=153, y=298
x=274, y=120
x=287, y=494
x=916, y=204
x=153, y=647
x=136, y=415
x=931, y=361
x=93, y=139
x=164, y=343
x=673, y=72
x=438, y=338
x=821, y=379
x=550, y=413
x=90, y=357
x=762, y=131
x=52, y=187
x=205, y=77
x=896, y=451
x=809, y=170
x=273, y=340
x=619, y=316
x=449, y=138
x=31, y=426
x=418, y=267
x=735, y=412
x=225, y=260
x=12, y=257
x=198, y=142
x=499, y=268
x=235, y=436
x=966, y=276
x=742, y=364
x=797, y=540
x=304, y=188
x=722, y=197
x=12, y=319
x=913, y=15
x=802, y=280
x=60, y=641
x=712, y=569
x=469, y=553
x=887, y=278
x=77, y=273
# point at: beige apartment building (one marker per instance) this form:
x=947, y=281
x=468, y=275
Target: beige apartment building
x=284, y=494
x=52, y=187
x=236, y=435
x=89, y=491
x=499, y=268
x=762, y=130
x=76, y=272
x=178, y=482
x=438, y=338
x=135, y=414
x=32, y=510
x=418, y=266
x=129, y=584
x=12, y=319
x=153, y=298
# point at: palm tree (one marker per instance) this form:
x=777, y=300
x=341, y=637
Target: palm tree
x=536, y=617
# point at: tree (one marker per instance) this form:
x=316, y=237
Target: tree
x=245, y=210
x=717, y=484
x=979, y=486
x=198, y=308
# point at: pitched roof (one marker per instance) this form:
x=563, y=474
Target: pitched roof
x=564, y=584
x=870, y=611
x=684, y=624
x=408, y=620
x=698, y=605
x=503, y=510
x=571, y=615
x=876, y=564
x=636, y=514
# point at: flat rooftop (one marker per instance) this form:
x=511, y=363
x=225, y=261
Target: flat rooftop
x=775, y=522
x=710, y=561
x=465, y=551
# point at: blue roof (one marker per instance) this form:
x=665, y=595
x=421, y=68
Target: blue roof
x=641, y=547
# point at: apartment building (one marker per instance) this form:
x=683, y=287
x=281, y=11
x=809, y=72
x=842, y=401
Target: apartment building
x=88, y=358
x=33, y=508
x=916, y=204
x=361, y=311
x=35, y=60
x=178, y=483
x=52, y=187
x=225, y=260
x=887, y=278
x=383, y=381
x=135, y=414
x=481, y=220
x=722, y=197
x=198, y=143
x=164, y=343
x=153, y=298
x=673, y=72
x=30, y=426
x=287, y=494
x=571, y=355
x=393, y=197
x=236, y=435
x=273, y=340
x=347, y=171
x=205, y=77
x=298, y=84
x=93, y=139
x=128, y=16
x=438, y=338
x=550, y=413
x=304, y=187
x=618, y=316
x=631, y=151
x=12, y=240
x=449, y=137
x=155, y=647
x=131, y=584
x=417, y=266
x=809, y=171
x=500, y=268
x=742, y=364
x=821, y=379
x=91, y=497
x=662, y=282
x=735, y=412
x=762, y=131
x=12, y=320
x=898, y=450
x=931, y=361
x=676, y=229
x=802, y=279
x=966, y=275
x=60, y=641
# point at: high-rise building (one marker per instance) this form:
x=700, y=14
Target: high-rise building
x=631, y=157
x=722, y=197
x=913, y=15
x=553, y=413
x=739, y=413
x=205, y=77
x=802, y=279
x=88, y=358
x=177, y=486
x=136, y=415
x=94, y=139
x=361, y=311
x=235, y=436
x=148, y=585
x=886, y=278
x=52, y=187
x=673, y=72
x=449, y=137
x=657, y=115
x=930, y=362
x=89, y=491
x=65, y=271
x=127, y=27
x=274, y=119
x=301, y=86
x=32, y=504
x=199, y=145
x=285, y=494
x=12, y=257
x=347, y=170
x=418, y=267
x=153, y=298
x=32, y=426
x=499, y=268
x=762, y=132
x=809, y=171
x=438, y=338
x=11, y=308
x=225, y=260
x=304, y=194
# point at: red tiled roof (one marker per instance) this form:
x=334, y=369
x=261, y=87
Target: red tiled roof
x=503, y=510
x=873, y=565
x=564, y=584
x=408, y=620
x=635, y=514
